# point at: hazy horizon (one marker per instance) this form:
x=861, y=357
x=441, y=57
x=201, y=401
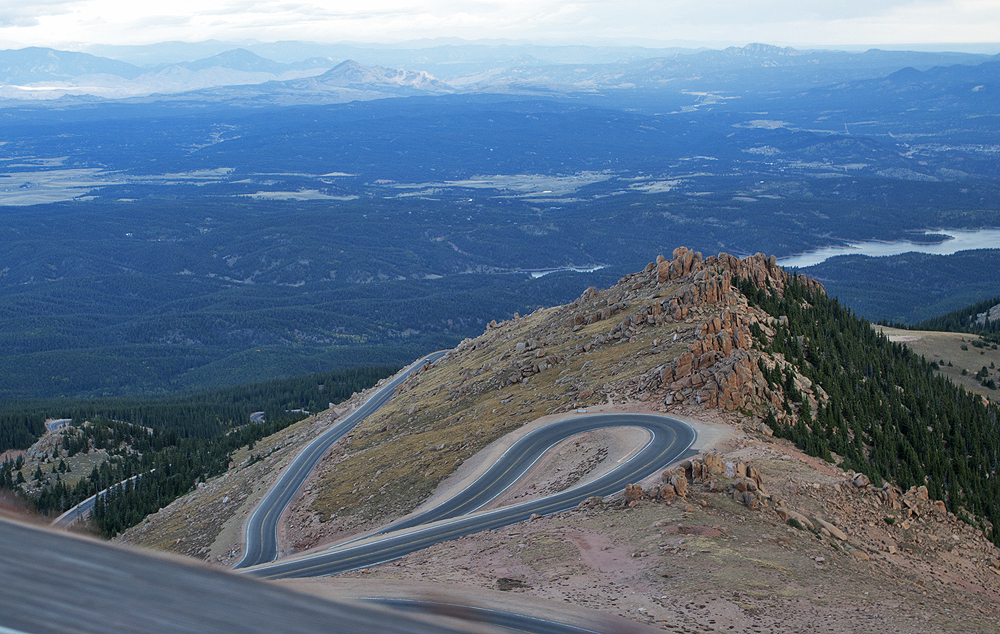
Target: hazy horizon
x=928, y=25
x=183, y=51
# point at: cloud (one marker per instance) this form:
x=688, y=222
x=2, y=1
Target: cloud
x=22, y=14
x=797, y=22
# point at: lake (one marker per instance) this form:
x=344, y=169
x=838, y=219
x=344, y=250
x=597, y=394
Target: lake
x=536, y=273
x=958, y=241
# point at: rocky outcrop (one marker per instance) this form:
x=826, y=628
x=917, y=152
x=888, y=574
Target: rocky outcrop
x=761, y=270
x=993, y=314
x=709, y=473
x=914, y=503
x=720, y=367
x=696, y=332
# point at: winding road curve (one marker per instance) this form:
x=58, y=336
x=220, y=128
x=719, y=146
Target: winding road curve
x=148, y=593
x=262, y=529
x=670, y=440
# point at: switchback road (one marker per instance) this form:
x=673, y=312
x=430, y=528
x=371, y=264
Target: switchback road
x=670, y=440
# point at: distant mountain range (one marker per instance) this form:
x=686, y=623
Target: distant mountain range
x=943, y=85
x=34, y=64
x=45, y=74
x=42, y=73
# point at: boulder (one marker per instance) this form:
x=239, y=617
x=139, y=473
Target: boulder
x=890, y=494
x=714, y=464
x=633, y=493
x=662, y=272
x=830, y=528
x=746, y=498
x=680, y=485
x=788, y=515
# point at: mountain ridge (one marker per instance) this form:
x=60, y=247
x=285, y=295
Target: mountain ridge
x=690, y=336
x=495, y=69
x=607, y=346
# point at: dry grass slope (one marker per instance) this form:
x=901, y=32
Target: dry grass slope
x=953, y=348
x=449, y=412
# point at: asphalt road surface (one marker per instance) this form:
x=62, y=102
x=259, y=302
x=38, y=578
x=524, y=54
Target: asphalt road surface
x=54, y=583
x=53, y=425
x=670, y=441
x=262, y=529
x=83, y=509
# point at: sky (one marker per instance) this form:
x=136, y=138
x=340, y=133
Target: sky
x=72, y=23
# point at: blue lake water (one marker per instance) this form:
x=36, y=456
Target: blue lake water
x=958, y=241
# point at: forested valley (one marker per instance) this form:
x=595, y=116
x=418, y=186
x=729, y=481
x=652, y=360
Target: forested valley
x=156, y=449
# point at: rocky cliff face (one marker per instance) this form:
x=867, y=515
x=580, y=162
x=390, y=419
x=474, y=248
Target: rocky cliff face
x=993, y=314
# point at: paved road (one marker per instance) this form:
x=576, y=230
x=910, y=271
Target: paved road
x=55, y=583
x=262, y=529
x=53, y=425
x=670, y=441
x=523, y=455
x=83, y=509
x=80, y=511
x=102, y=588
